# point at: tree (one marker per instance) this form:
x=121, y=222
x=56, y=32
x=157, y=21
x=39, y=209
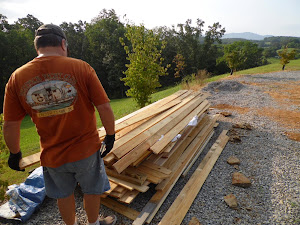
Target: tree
x=286, y=55
x=179, y=62
x=210, y=49
x=234, y=59
x=75, y=33
x=106, y=54
x=242, y=55
x=29, y=22
x=142, y=74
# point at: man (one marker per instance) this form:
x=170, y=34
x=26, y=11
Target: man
x=59, y=94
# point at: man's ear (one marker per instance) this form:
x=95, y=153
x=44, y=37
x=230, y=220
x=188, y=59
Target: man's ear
x=64, y=45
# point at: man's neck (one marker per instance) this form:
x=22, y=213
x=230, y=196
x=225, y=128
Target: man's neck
x=50, y=51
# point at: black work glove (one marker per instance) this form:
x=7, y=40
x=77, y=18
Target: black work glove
x=13, y=161
x=109, y=141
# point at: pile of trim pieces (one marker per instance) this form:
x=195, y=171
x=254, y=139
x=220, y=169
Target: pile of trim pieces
x=158, y=144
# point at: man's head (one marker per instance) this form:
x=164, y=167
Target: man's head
x=49, y=35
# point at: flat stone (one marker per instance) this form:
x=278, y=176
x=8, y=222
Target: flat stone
x=226, y=114
x=245, y=126
x=231, y=201
x=232, y=160
x=240, y=180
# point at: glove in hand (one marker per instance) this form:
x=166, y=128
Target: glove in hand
x=13, y=161
x=109, y=141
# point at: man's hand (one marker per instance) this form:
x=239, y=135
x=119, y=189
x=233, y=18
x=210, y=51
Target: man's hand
x=13, y=161
x=109, y=141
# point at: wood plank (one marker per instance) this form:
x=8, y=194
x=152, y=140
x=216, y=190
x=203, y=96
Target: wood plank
x=120, y=189
x=188, y=155
x=122, y=209
x=155, y=167
x=29, y=160
x=172, y=157
x=112, y=187
x=159, y=146
x=146, y=114
x=129, y=186
x=163, y=127
x=177, y=94
x=198, y=154
x=117, y=194
x=138, y=179
x=182, y=203
x=150, y=176
x=129, y=196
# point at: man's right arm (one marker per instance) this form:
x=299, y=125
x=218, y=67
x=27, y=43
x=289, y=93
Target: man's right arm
x=11, y=133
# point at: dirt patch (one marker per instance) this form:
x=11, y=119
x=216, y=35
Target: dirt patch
x=293, y=136
x=286, y=94
x=289, y=119
x=231, y=107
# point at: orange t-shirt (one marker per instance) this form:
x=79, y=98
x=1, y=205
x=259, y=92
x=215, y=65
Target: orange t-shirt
x=59, y=93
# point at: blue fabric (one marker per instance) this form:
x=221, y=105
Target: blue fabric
x=27, y=196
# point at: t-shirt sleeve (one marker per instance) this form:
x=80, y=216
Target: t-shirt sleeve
x=12, y=107
x=96, y=91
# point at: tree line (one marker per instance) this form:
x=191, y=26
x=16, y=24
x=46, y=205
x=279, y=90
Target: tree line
x=98, y=43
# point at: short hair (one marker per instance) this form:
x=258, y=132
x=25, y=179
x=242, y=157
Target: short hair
x=48, y=35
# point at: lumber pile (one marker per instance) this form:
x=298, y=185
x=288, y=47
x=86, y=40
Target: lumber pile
x=145, y=151
x=157, y=144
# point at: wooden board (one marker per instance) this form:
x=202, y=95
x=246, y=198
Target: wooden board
x=182, y=203
x=29, y=160
x=159, y=146
x=129, y=186
x=122, y=209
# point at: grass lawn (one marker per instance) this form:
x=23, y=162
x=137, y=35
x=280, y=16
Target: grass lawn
x=121, y=107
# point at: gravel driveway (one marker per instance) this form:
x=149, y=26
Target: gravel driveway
x=269, y=154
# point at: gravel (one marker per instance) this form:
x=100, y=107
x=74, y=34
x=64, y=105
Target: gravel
x=269, y=158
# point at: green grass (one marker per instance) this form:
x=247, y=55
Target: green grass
x=121, y=107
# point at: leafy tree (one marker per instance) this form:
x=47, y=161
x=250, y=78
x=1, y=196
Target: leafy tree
x=29, y=22
x=179, y=61
x=242, y=55
x=286, y=55
x=234, y=59
x=142, y=75
x=106, y=53
x=16, y=44
x=210, y=49
x=188, y=44
x=75, y=33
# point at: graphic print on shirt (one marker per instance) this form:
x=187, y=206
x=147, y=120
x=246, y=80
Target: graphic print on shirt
x=51, y=97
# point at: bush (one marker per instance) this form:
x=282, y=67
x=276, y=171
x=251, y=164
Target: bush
x=195, y=81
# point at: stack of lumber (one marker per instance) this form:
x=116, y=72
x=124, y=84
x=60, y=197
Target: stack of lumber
x=145, y=152
x=157, y=144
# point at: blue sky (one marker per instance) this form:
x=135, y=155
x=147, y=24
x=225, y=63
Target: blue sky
x=265, y=17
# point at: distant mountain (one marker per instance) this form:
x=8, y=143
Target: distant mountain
x=246, y=35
